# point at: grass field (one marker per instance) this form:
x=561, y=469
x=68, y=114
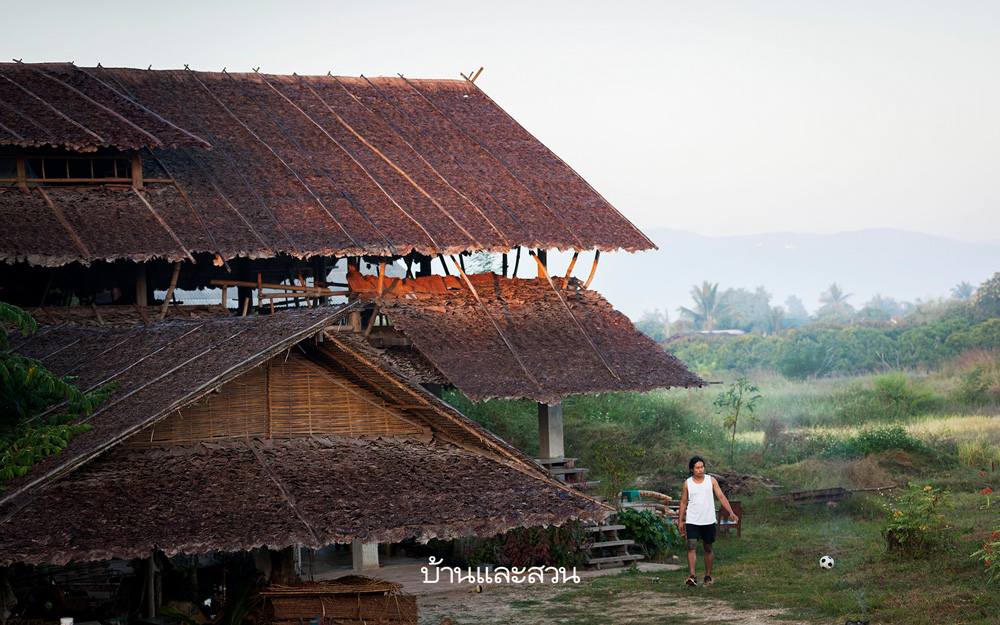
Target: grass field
x=815, y=434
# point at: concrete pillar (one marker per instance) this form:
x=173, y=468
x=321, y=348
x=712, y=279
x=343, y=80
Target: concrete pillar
x=550, y=431
x=364, y=555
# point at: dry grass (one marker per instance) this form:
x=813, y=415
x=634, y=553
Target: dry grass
x=869, y=472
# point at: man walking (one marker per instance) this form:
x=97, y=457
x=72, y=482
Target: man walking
x=696, y=518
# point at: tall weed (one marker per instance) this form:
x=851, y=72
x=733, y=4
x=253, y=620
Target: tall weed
x=978, y=374
x=888, y=397
x=978, y=452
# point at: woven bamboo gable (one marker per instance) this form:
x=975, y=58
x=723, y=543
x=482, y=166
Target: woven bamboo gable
x=286, y=397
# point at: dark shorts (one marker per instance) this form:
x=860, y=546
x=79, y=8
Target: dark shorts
x=704, y=532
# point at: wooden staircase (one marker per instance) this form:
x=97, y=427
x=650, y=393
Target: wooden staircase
x=608, y=550
x=565, y=469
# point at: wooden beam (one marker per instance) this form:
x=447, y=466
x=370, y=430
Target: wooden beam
x=170, y=290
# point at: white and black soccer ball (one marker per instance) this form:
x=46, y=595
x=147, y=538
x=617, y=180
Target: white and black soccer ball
x=826, y=562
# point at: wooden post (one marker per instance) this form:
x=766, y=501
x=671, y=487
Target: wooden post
x=503, y=265
x=140, y=285
x=170, y=290
x=543, y=260
x=136, y=171
x=319, y=275
x=22, y=182
x=151, y=604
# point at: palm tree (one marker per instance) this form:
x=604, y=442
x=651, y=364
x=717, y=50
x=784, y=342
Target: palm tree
x=775, y=320
x=963, y=291
x=707, y=305
x=834, y=300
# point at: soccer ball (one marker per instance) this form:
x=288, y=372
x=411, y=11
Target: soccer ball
x=826, y=562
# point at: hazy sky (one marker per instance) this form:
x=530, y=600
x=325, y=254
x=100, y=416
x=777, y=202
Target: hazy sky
x=712, y=117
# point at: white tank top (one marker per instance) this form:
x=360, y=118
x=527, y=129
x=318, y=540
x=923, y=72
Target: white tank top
x=701, y=502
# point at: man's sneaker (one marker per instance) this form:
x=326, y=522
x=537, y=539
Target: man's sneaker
x=692, y=581
x=709, y=580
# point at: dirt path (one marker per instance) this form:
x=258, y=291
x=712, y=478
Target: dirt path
x=539, y=605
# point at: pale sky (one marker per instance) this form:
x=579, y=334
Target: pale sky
x=719, y=118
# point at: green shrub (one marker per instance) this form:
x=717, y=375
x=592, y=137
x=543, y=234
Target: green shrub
x=978, y=378
x=916, y=523
x=865, y=443
x=892, y=396
x=654, y=534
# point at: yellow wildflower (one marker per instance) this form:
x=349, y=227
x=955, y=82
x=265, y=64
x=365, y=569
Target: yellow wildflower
x=927, y=487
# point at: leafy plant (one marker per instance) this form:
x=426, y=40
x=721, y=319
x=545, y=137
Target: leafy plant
x=30, y=392
x=654, y=534
x=990, y=552
x=617, y=463
x=915, y=526
x=741, y=396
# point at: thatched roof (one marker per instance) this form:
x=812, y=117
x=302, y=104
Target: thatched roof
x=159, y=368
x=99, y=499
x=305, y=166
x=243, y=494
x=523, y=339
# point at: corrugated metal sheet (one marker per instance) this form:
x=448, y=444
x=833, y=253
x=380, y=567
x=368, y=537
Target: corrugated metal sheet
x=316, y=165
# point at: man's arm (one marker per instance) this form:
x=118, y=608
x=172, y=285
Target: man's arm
x=725, y=502
x=683, y=508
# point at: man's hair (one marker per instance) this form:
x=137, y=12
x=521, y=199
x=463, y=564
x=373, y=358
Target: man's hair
x=695, y=461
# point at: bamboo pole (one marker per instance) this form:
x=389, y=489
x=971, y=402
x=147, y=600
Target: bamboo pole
x=170, y=290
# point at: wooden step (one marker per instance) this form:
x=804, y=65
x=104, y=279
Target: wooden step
x=604, y=528
x=567, y=471
x=619, y=558
x=550, y=461
x=612, y=543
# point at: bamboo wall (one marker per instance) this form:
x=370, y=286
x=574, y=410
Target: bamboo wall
x=283, y=398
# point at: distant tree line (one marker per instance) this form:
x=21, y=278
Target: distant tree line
x=840, y=340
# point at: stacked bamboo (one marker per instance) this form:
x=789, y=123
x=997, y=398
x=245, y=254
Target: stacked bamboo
x=346, y=601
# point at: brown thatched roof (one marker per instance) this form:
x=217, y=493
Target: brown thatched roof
x=244, y=494
x=542, y=351
x=159, y=368
x=316, y=165
x=98, y=499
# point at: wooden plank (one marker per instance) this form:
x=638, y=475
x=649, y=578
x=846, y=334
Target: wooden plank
x=613, y=543
x=604, y=528
x=620, y=558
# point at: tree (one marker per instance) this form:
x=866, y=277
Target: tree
x=888, y=305
x=834, y=301
x=708, y=305
x=37, y=408
x=745, y=310
x=963, y=290
x=986, y=302
x=654, y=325
x=796, y=309
x=741, y=396
x=775, y=320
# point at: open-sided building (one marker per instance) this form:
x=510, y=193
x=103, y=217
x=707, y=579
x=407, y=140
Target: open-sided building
x=237, y=425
